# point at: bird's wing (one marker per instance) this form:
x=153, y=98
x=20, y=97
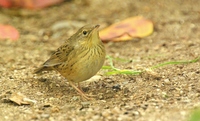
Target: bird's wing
x=59, y=56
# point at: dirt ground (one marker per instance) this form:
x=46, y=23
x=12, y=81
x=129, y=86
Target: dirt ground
x=167, y=95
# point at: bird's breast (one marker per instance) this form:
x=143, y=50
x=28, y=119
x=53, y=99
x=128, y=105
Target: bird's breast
x=83, y=64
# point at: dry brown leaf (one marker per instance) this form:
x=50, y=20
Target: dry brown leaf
x=133, y=27
x=30, y=4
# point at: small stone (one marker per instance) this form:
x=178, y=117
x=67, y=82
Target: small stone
x=100, y=96
x=124, y=99
x=116, y=110
x=96, y=117
x=85, y=104
x=106, y=113
x=45, y=115
x=39, y=93
x=57, y=85
x=55, y=110
x=47, y=105
x=116, y=87
x=167, y=81
x=164, y=94
x=135, y=113
x=74, y=98
x=198, y=90
x=104, y=101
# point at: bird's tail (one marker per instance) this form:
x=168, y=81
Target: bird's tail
x=41, y=69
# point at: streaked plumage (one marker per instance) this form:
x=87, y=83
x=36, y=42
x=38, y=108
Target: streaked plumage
x=79, y=58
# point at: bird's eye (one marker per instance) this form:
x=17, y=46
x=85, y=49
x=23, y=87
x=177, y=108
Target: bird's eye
x=85, y=32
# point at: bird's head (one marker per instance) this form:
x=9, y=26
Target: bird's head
x=87, y=36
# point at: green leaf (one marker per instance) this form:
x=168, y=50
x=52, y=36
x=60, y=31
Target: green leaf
x=195, y=115
x=114, y=70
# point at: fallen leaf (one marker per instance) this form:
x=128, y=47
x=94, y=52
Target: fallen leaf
x=133, y=27
x=8, y=32
x=21, y=99
x=5, y=3
x=31, y=4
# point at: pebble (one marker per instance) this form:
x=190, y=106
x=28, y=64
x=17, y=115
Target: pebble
x=100, y=96
x=167, y=81
x=55, y=109
x=198, y=90
x=106, y=113
x=45, y=115
x=85, y=104
x=47, y=105
x=116, y=110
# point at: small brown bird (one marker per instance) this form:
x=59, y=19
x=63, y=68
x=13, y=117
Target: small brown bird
x=79, y=58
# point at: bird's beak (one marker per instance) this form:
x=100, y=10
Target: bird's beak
x=95, y=30
x=96, y=27
x=95, y=33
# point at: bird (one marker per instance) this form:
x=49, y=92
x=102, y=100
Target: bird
x=79, y=58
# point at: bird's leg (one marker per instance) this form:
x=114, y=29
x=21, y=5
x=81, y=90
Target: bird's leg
x=79, y=86
x=83, y=91
x=79, y=90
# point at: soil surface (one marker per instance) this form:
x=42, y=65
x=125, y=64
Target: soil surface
x=168, y=93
